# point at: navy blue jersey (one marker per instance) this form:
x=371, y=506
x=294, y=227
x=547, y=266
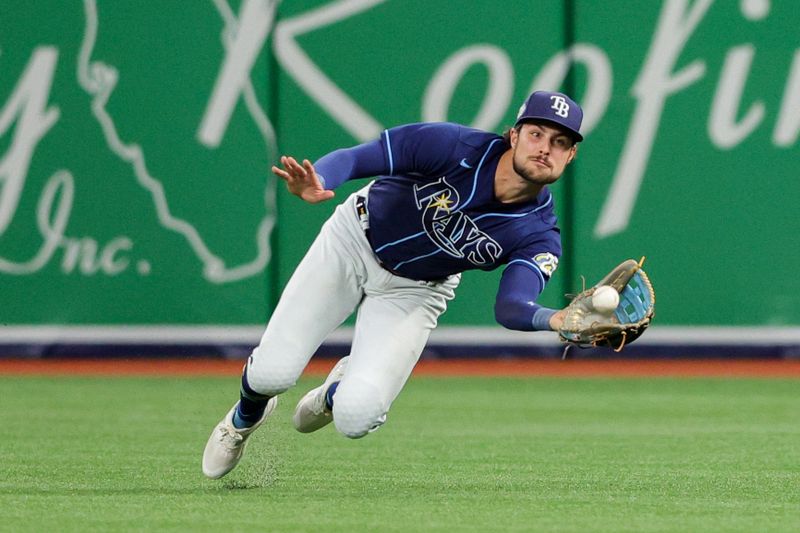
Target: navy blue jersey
x=433, y=212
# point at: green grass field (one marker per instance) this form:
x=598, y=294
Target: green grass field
x=468, y=454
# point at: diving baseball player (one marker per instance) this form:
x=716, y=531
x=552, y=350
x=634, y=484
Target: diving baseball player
x=446, y=199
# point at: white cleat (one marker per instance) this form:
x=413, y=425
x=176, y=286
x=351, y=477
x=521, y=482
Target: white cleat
x=225, y=447
x=311, y=412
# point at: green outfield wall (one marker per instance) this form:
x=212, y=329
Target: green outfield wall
x=136, y=137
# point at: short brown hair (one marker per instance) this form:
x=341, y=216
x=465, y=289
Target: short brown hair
x=518, y=127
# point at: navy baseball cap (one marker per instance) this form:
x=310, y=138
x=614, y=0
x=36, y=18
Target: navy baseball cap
x=557, y=108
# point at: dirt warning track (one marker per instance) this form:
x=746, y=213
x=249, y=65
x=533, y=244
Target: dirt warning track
x=448, y=367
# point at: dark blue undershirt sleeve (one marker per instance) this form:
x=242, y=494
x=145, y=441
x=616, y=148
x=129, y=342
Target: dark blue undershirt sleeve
x=422, y=148
x=362, y=161
x=515, y=306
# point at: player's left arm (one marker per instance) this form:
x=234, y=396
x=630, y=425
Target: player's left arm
x=520, y=285
x=515, y=306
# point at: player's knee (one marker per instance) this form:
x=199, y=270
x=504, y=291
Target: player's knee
x=271, y=375
x=358, y=409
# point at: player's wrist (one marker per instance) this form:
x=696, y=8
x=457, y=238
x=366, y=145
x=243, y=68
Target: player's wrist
x=557, y=320
x=542, y=319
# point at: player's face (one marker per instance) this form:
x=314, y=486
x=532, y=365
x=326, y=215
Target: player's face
x=541, y=153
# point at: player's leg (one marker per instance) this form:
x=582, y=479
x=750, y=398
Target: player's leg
x=391, y=331
x=392, y=328
x=322, y=292
x=313, y=411
x=226, y=444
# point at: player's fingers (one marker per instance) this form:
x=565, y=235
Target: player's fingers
x=286, y=170
x=283, y=161
x=311, y=174
x=281, y=173
x=295, y=167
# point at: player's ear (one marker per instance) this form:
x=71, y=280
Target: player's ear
x=573, y=152
x=513, y=136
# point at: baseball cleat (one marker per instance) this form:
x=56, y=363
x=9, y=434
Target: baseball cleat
x=225, y=447
x=311, y=412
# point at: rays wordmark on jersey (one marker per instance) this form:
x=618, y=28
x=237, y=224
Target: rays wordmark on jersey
x=452, y=231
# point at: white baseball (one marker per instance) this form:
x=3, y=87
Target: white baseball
x=605, y=299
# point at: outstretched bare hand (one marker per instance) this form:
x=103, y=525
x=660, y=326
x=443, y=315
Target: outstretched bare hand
x=302, y=180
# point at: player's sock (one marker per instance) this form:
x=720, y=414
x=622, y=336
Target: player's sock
x=251, y=405
x=329, y=395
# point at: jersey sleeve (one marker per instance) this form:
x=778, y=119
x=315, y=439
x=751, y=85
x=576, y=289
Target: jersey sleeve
x=423, y=148
x=523, y=280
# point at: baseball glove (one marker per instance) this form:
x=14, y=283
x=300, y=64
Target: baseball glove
x=586, y=326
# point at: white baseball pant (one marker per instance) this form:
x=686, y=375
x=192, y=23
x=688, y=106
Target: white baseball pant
x=395, y=317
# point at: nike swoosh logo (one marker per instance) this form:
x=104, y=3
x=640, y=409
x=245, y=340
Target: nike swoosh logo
x=464, y=163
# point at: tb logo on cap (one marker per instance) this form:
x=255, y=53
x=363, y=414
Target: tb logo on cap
x=560, y=106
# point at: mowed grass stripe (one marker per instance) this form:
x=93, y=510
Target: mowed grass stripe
x=470, y=454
